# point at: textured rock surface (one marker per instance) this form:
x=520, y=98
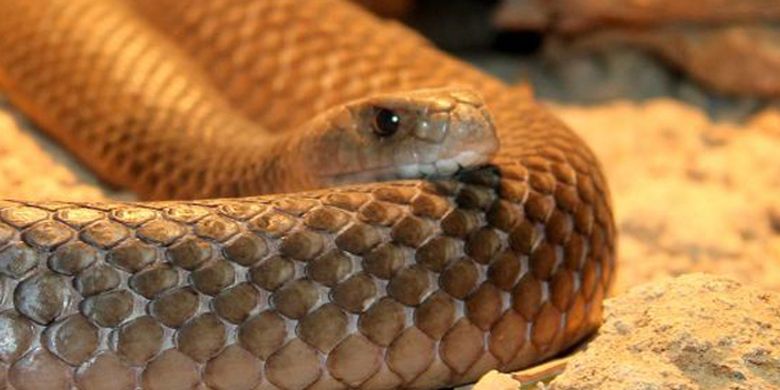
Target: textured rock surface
x=524, y=14
x=738, y=59
x=622, y=73
x=578, y=15
x=731, y=47
x=696, y=331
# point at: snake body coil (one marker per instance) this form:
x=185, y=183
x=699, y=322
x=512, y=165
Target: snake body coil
x=405, y=284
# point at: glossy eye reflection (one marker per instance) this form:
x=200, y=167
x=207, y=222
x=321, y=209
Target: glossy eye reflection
x=386, y=122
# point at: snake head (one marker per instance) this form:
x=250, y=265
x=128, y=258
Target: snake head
x=404, y=135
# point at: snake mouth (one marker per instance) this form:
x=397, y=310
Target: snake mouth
x=438, y=169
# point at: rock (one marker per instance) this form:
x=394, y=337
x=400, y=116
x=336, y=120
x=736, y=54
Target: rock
x=731, y=47
x=735, y=109
x=599, y=76
x=579, y=15
x=696, y=331
x=736, y=59
x=524, y=15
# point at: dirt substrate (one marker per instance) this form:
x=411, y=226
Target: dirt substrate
x=690, y=195
x=32, y=167
x=696, y=331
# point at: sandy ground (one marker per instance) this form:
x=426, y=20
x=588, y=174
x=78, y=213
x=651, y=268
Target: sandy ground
x=727, y=340
x=32, y=167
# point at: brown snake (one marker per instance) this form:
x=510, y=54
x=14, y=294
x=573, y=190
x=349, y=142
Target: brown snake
x=417, y=284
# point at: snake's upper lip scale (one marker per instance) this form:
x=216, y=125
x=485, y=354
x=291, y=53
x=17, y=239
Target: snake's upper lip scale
x=437, y=169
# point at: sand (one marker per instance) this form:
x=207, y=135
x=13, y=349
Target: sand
x=696, y=331
x=33, y=167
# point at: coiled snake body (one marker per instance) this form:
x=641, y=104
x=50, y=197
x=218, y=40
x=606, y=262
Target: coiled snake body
x=417, y=284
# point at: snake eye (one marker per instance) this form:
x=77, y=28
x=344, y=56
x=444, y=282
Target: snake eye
x=386, y=122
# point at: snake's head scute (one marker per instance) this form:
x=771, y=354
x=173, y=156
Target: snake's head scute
x=404, y=135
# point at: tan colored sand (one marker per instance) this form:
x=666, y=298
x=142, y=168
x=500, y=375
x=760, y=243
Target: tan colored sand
x=34, y=168
x=693, y=332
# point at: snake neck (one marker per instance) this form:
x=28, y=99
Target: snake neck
x=221, y=158
x=277, y=165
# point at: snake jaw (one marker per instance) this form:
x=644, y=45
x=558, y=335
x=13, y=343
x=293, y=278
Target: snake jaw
x=436, y=170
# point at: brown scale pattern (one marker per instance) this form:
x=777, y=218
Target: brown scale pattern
x=414, y=284
x=259, y=308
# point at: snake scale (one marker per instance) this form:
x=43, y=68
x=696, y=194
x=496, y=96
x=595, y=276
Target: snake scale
x=415, y=284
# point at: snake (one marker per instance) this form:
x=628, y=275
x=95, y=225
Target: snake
x=311, y=214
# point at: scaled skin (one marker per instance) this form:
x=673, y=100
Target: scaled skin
x=421, y=284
